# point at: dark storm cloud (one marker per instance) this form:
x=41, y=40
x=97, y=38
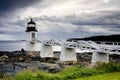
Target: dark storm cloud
x=104, y=18
x=10, y=5
x=99, y=18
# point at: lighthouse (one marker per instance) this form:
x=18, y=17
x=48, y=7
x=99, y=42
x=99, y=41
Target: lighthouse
x=31, y=37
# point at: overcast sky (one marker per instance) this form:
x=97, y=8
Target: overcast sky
x=59, y=19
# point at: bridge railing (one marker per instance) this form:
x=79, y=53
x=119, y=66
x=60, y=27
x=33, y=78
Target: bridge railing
x=107, y=42
x=86, y=45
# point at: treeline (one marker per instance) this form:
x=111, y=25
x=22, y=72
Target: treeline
x=108, y=38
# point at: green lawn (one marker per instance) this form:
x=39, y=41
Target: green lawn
x=109, y=76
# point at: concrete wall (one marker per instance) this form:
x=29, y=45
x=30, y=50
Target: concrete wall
x=99, y=57
x=46, y=51
x=68, y=54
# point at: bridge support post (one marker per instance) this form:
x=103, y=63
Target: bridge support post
x=99, y=57
x=46, y=51
x=68, y=54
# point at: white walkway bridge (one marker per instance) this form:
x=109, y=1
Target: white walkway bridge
x=100, y=50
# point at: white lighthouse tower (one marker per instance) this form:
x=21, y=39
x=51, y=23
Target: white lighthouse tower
x=31, y=37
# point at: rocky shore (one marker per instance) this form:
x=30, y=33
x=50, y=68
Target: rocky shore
x=17, y=61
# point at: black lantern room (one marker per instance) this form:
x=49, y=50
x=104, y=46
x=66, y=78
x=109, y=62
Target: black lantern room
x=31, y=26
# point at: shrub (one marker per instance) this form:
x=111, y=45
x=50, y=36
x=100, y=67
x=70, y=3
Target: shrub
x=108, y=67
x=25, y=75
x=75, y=72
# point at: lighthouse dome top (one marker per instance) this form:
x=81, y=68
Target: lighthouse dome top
x=31, y=26
x=31, y=22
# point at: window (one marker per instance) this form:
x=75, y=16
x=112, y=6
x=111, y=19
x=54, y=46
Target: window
x=33, y=36
x=31, y=25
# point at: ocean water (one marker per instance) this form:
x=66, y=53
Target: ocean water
x=18, y=45
x=12, y=45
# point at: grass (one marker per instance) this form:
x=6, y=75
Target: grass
x=68, y=73
x=108, y=76
x=108, y=67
